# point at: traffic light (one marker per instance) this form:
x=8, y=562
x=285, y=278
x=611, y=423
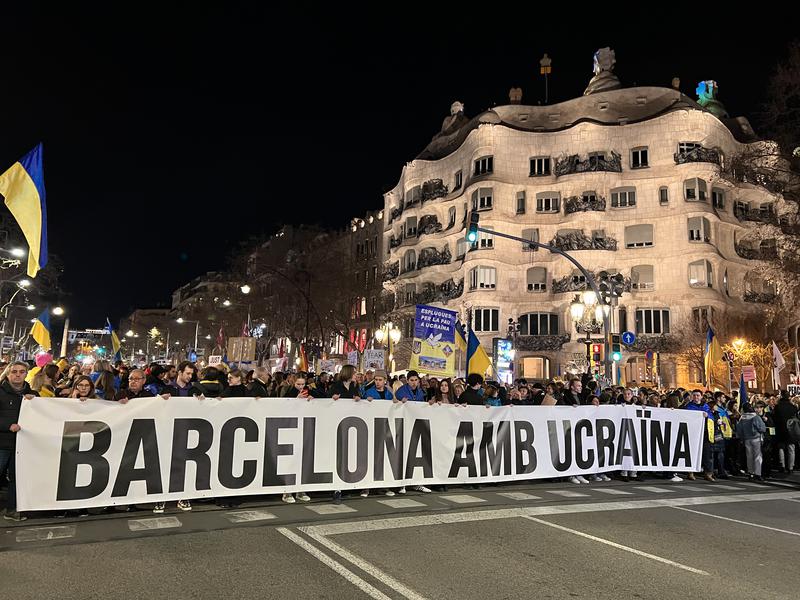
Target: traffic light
x=616, y=348
x=597, y=352
x=472, y=230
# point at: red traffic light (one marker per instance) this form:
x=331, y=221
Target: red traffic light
x=597, y=348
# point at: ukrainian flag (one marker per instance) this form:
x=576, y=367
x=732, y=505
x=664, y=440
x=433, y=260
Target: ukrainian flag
x=477, y=359
x=41, y=330
x=712, y=355
x=461, y=339
x=23, y=187
x=114, y=340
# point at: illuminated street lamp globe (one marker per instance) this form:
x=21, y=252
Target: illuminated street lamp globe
x=58, y=311
x=129, y=333
x=380, y=335
x=395, y=335
x=245, y=289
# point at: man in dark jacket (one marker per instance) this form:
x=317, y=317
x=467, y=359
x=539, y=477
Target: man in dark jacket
x=471, y=395
x=258, y=389
x=784, y=410
x=12, y=390
x=209, y=386
x=135, y=387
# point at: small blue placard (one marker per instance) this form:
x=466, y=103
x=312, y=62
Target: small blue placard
x=628, y=338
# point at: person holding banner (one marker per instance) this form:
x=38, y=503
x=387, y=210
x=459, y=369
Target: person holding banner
x=696, y=403
x=411, y=390
x=135, y=387
x=346, y=387
x=12, y=390
x=379, y=391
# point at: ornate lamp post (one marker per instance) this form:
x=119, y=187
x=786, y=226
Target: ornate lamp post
x=390, y=334
x=588, y=315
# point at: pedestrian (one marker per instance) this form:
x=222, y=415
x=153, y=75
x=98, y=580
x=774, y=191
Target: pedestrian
x=379, y=390
x=259, y=388
x=784, y=411
x=12, y=391
x=411, y=390
x=346, y=387
x=135, y=389
x=709, y=434
x=445, y=393
x=43, y=382
x=209, y=385
x=236, y=387
x=83, y=389
x=751, y=429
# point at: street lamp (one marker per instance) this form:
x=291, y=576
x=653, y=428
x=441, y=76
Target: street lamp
x=588, y=314
x=739, y=343
x=180, y=320
x=245, y=289
x=31, y=307
x=226, y=303
x=390, y=334
x=17, y=252
x=24, y=283
x=58, y=311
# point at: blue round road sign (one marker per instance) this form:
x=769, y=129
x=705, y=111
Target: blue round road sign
x=628, y=338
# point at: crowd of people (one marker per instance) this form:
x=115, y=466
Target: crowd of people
x=753, y=439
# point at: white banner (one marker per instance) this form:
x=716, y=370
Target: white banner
x=73, y=454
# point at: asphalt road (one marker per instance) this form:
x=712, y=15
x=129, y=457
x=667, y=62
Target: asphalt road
x=536, y=540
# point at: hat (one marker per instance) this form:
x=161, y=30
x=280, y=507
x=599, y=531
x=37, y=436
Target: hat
x=381, y=374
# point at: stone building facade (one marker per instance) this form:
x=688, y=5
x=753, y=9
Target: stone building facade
x=635, y=181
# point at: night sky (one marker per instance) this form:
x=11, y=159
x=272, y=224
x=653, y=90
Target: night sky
x=171, y=133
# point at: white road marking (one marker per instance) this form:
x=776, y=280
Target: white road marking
x=154, y=523
x=752, y=485
x=519, y=496
x=699, y=512
x=567, y=494
x=508, y=513
x=717, y=486
x=791, y=500
x=367, y=567
x=594, y=538
x=246, y=516
x=613, y=491
x=331, y=509
x=401, y=503
x=696, y=488
x=39, y=534
x=336, y=566
x=462, y=499
x=654, y=489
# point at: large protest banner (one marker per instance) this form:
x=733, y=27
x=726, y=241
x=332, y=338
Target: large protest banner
x=433, y=350
x=73, y=454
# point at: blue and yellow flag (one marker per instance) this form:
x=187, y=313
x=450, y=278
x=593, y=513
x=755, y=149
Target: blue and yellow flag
x=41, y=330
x=477, y=359
x=23, y=187
x=743, y=397
x=712, y=355
x=114, y=340
x=461, y=339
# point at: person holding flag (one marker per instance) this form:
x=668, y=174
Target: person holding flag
x=23, y=187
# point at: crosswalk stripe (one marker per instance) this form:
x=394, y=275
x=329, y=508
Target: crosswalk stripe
x=519, y=496
x=567, y=494
x=613, y=491
x=462, y=499
x=154, y=523
x=695, y=488
x=401, y=503
x=247, y=516
x=330, y=509
x=654, y=489
x=726, y=487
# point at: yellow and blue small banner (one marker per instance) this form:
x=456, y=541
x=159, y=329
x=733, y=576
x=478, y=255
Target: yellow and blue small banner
x=712, y=355
x=23, y=187
x=41, y=330
x=433, y=350
x=115, y=344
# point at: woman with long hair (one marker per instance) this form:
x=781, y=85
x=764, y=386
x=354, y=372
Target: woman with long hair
x=83, y=389
x=43, y=381
x=104, y=386
x=346, y=387
x=236, y=387
x=445, y=394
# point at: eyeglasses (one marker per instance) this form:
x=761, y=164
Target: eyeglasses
x=84, y=385
x=134, y=378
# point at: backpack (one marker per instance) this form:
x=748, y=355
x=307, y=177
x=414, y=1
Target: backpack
x=793, y=427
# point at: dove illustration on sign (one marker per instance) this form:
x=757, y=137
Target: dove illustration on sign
x=433, y=340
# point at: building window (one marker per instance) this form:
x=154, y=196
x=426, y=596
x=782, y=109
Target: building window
x=695, y=373
x=484, y=165
x=458, y=180
x=589, y=197
x=411, y=227
x=547, y=202
x=725, y=283
x=520, y=203
x=540, y=166
x=532, y=235
x=652, y=321
x=699, y=229
x=702, y=316
x=663, y=195
x=718, y=198
x=595, y=158
x=695, y=190
x=451, y=217
x=409, y=261
x=642, y=277
x=363, y=306
x=623, y=197
x=461, y=248
x=486, y=319
x=638, y=236
x=686, y=147
x=538, y=324
x=374, y=275
x=700, y=274
x=483, y=278
x=485, y=241
x=482, y=199
x=537, y=279
x=639, y=158
x=413, y=195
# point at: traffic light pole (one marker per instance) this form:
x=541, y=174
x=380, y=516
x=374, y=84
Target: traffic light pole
x=607, y=364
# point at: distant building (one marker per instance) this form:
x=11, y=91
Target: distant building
x=633, y=181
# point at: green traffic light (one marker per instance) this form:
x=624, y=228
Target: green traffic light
x=472, y=236
x=617, y=356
